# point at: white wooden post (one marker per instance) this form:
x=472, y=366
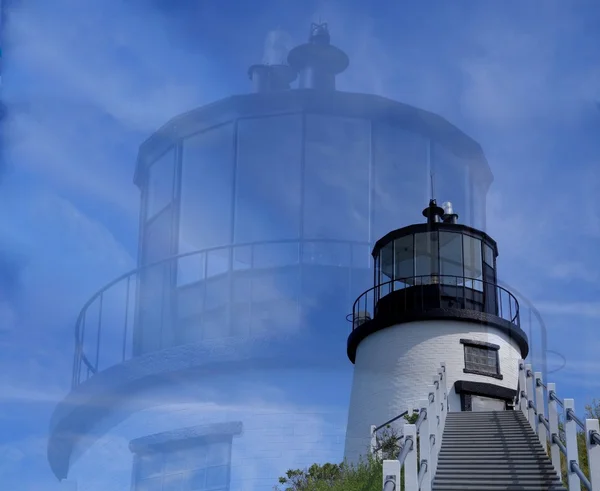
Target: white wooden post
x=432, y=428
x=441, y=401
x=541, y=411
x=523, y=388
x=553, y=420
x=391, y=475
x=530, y=394
x=571, y=437
x=442, y=375
x=411, y=476
x=438, y=413
x=593, y=451
x=445, y=389
x=373, y=440
x=424, y=447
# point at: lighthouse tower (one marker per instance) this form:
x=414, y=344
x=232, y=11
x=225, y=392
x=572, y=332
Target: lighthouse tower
x=435, y=299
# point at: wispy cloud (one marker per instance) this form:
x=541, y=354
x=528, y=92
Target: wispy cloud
x=72, y=241
x=572, y=309
x=16, y=455
x=106, y=78
x=119, y=59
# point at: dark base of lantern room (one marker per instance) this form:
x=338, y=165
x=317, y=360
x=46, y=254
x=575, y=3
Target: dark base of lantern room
x=435, y=303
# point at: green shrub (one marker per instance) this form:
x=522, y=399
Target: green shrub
x=367, y=475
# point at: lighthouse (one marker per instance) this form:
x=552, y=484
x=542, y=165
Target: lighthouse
x=218, y=363
x=435, y=299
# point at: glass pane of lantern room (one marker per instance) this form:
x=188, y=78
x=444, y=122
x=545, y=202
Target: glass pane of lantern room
x=404, y=259
x=268, y=198
x=451, y=265
x=337, y=168
x=473, y=262
x=160, y=184
x=400, y=183
x=206, y=202
x=426, y=257
x=206, y=189
x=488, y=255
x=489, y=277
x=386, y=257
x=154, y=305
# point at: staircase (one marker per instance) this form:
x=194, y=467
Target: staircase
x=492, y=450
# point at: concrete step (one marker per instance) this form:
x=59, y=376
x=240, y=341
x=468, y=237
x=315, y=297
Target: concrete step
x=481, y=432
x=491, y=434
x=493, y=466
x=496, y=487
x=489, y=427
x=496, y=451
x=486, y=417
x=511, y=458
x=515, y=422
x=494, y=445
x=450, y=424
x=493, y=449
x=496, y=479
x=483, y=417
x=485, y=484
x=487, y=424
x=501, y=472
x=490, y=437
x=498, y=425
x=470, y=424
x=486, y=461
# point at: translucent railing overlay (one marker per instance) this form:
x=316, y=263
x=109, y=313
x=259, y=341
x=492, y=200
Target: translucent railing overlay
x=104, y=330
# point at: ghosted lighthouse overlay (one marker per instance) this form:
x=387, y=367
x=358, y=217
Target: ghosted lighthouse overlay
x=220, y=362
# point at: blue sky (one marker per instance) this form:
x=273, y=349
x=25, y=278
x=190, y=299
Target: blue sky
x=86, y=82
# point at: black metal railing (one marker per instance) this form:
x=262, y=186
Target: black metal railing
x=105, y=325
x=425, y=292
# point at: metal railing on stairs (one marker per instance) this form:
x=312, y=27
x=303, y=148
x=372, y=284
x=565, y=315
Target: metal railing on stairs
x=419, y=464
x=534, y=396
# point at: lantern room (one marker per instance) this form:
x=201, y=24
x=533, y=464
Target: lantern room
x=435, y=270
x=439, y=252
